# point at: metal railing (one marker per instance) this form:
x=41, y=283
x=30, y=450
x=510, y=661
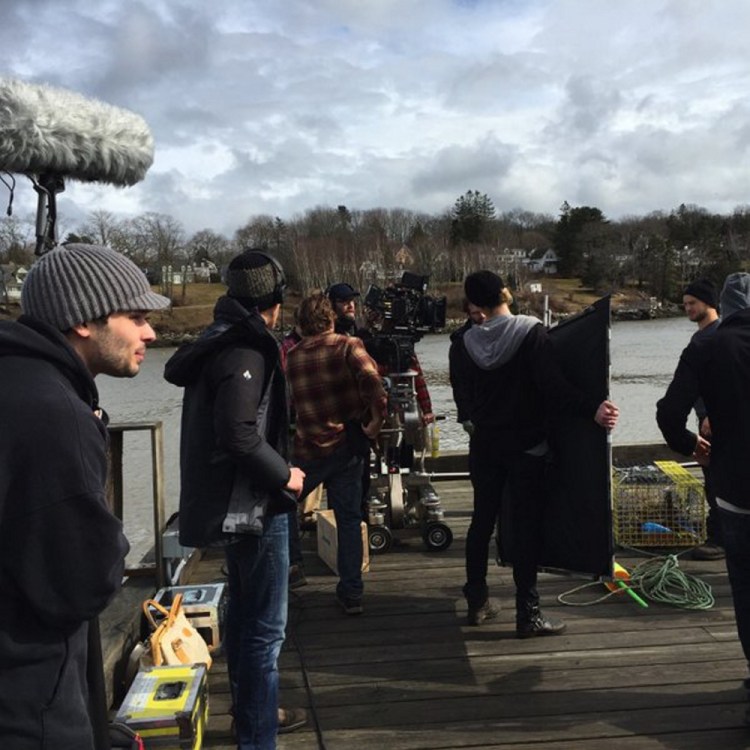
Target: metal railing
x=115, y=490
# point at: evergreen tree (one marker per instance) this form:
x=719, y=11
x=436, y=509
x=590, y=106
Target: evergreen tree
x=472, y=215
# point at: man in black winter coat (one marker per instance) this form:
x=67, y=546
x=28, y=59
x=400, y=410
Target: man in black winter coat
x=62, y=552
x=515, y=387
x=700, y=302
x=717, y=368
x=237, y=487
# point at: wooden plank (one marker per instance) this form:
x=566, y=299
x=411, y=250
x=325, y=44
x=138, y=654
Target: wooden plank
x=411, y=675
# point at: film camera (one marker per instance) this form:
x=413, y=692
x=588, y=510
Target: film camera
x=401, y=495
x=404, y=311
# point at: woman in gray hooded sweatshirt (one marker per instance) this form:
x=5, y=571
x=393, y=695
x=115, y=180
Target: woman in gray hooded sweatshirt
x=515, y=387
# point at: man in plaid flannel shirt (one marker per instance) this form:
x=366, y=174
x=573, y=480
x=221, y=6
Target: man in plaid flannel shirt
x=340, y=404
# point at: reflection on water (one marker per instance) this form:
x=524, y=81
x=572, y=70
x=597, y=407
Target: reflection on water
x=644, y=355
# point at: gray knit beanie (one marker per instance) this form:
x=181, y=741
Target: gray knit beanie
x=76, y=284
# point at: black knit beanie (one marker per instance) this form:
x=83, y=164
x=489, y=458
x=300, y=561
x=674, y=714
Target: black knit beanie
x=483, y=288
x=75, y=284
x=255, y=279
x=703, y=290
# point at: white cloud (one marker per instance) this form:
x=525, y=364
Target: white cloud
x=271, y=107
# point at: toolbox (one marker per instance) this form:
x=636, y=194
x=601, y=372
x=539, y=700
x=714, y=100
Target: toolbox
x=168, y=707
x=204, y=605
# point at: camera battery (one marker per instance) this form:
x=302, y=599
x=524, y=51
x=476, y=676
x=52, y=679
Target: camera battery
x=168, y=707
x=204, y=606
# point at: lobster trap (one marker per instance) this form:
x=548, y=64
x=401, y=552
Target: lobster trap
x=659, y=505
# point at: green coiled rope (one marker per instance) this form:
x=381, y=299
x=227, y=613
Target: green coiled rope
x=661, y=580
x=658, y=579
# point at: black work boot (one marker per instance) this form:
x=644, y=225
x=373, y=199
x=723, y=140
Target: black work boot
x=531, y=622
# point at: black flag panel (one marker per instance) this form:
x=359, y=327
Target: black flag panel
x=578, y=521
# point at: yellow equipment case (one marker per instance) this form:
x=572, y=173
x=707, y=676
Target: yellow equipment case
x=168, y=707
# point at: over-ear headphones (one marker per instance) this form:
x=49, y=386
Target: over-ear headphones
x=279, y=286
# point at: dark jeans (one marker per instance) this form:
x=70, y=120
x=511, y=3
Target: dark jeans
x=258, y=573
x=492, y=472
x=295, y=540
x=341, y=475
x=713, y=522
x=736, y=531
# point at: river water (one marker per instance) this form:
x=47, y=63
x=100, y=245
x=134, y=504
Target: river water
x=643, y=356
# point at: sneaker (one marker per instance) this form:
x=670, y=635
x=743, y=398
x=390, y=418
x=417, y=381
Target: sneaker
x=708, y=551
x=350, y=605
x=479, y=615
x=296, y=577
x=536, y=623
x=291, y=719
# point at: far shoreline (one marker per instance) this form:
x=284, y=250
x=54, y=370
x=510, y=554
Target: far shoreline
x=192, y=309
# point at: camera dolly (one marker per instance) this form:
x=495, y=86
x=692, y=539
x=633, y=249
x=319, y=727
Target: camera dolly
x=401, y=496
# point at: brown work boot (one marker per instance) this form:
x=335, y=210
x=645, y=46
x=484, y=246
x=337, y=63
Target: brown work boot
x=480, y=614
x=291, y=719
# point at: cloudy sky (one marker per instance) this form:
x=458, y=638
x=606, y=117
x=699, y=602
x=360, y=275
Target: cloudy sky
x=277, y=106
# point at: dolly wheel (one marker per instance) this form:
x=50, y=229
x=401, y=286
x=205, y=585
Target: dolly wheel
x=437, y=537
x=380, y=539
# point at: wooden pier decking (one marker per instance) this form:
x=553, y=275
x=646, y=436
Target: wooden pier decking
x=410, y=674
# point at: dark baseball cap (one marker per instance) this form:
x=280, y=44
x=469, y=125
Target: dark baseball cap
x=341, y=292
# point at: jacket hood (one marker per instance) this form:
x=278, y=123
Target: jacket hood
x=31, y=338
x=735, y=295
x=233, y=324
x=495, y=342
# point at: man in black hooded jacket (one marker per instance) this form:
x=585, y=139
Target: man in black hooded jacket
x=62, y=552
x=237, y=487
x=717, y=368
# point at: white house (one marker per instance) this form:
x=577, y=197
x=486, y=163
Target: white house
x=542, y=261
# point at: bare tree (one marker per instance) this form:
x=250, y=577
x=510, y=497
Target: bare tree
x=16, y=241
x=156, y=240
x=208, y=245
x=101, y=226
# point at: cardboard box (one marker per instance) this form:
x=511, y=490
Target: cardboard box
x=204, y=606
x=168, y=707
x=328, y=544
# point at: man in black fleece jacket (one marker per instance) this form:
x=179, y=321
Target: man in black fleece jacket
x=717, y=368
x=62, y=552
x=515, y=387
x=237, y=487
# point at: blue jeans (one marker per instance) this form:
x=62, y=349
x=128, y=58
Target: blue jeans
x=735, y=528
x=258, y=574
x=341, y=475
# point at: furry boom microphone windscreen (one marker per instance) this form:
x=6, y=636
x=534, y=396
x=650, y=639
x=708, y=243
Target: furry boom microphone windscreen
x=47, y=130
